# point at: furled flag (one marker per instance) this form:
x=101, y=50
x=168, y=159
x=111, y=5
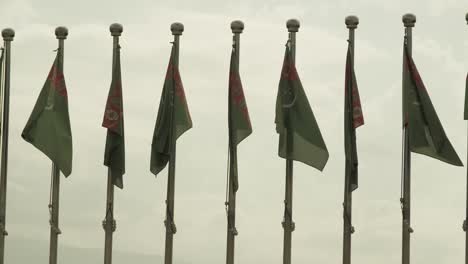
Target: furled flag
x=238, y=114
x=114, y=155
x=1, y=87
x=173, y=117
x=466, y=98
x=300, y=137
x=48, y=127
x=426, y=134
x=353, y=119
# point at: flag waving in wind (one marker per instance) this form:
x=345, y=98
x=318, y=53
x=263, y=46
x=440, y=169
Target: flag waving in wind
x=300, y=137
x=426, y=134
x=353, y=119
x=173, y=117
x=48, y=127
x=114, y=155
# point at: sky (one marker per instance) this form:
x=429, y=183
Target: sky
x=440, y=48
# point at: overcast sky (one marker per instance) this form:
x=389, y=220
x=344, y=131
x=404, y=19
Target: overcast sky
x=438, y=199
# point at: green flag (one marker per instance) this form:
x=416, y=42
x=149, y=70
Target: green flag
x=114, y=155
x=426, y=134
x=300, y=137
x=173, y=117
x=239, y=120
x=466, y=98
x=353, y=119
x=48, y=127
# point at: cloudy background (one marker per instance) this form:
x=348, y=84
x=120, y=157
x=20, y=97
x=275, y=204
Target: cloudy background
x=438, y=198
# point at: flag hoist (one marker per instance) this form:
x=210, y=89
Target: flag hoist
x=465, y=224
x=239, y=128
x=49, y=130
x=172, y=121
x=114, y=155
x=5, y=69
x=422, y=131
x=300, y=138
x=353, y=118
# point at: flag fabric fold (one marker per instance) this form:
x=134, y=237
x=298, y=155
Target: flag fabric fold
x=300, y=137
x=426, y=134
x=353, y=119
x=173, y=117
x=238, y=113
x=114, y=155
x=48, y=127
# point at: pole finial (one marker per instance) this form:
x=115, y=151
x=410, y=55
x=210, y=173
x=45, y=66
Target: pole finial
x=8, y=34
x=237, y=26
x=177, y=28
x=61, y=32
x=466, y=17
x=293, y=25
x=409, y=20
x=352, y=22
x=116, y=29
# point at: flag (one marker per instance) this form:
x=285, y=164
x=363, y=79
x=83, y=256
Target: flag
x=238, y=114
x=48, y=127
x=426, y=134
x=114, y=155
x=295, y=118
x=1, y=88
x=173, y=117
x=353, y=119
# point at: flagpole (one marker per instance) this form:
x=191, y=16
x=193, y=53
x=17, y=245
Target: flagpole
x=465, y=222
x=288, y=224
x=177, y=29
x=237, y=27
x=351, y=23
x=408, y=20
x=61, y=33
x=109, y=224
x=8, y=34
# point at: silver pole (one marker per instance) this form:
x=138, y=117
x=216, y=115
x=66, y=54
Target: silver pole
x=351, y=23
x=61, y=33
x=109, y=223
x=288, y=224
x=237, y=27
x=465, y=222
x=177, y=29
x=409, y=21
x=8, y=35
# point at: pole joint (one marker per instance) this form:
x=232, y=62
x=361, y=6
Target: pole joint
x=465, y=226
x=170, y=226
x=3, y=229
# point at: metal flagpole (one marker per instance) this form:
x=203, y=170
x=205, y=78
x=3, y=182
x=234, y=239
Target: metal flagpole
x=237, y=28
x=61, y=33
x=465, y=222
x=288, y=224
x=408, y=20
x=177, y=29
x=109, y=223
x=351, y=23
x=8, y=35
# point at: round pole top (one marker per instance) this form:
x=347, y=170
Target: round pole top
x=293, y=25
x=61, y=32
x=237, y=26
x=177, y=28
x=352, y=22
x=116, y=29
x=466, y=17
x=409, y=20
x=8, y=34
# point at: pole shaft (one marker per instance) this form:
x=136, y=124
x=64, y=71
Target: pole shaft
x=4, y=141
x=54, y=206
x=347, y=204
x=169, y=222
x=406, y=223
x=288, y=224
x=109, y=222
x=231, y=225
